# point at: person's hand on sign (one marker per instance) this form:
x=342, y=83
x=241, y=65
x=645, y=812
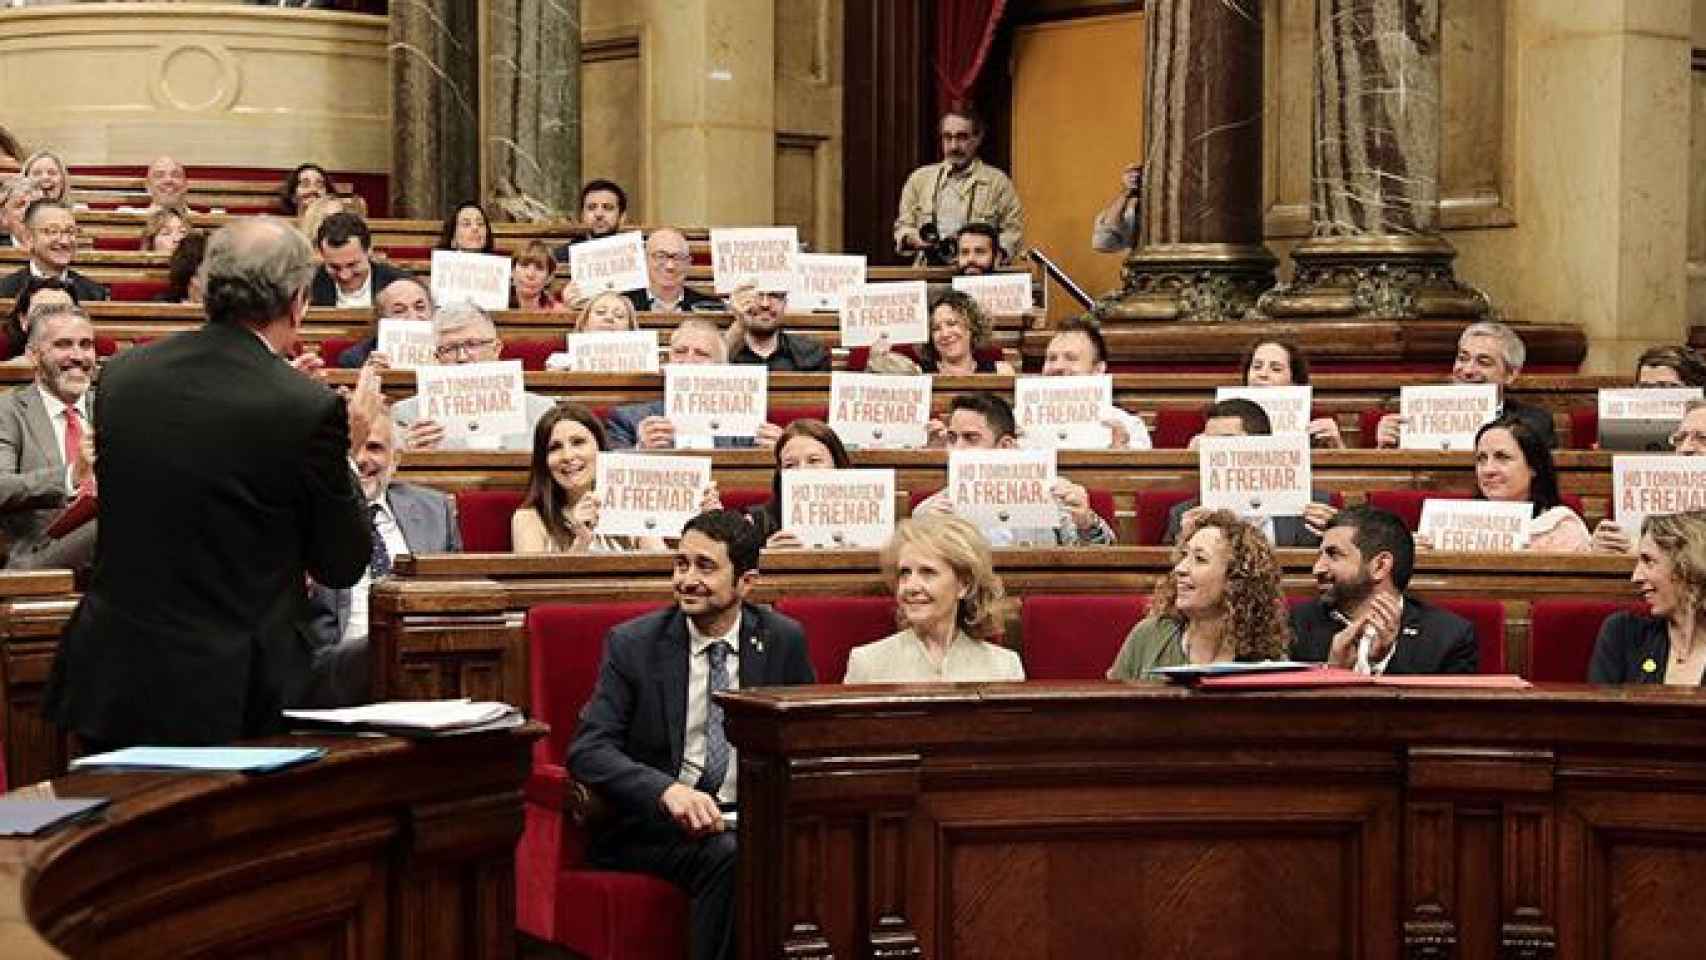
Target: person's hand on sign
x=695, y=812
x=1076, y=500
x=379, y=360
x=1316, y=516
x=710, y=498
x=935, y=433
x=656, y=433
x=1386, y=434
x=1324, y=432
x=1119, y=438
x=584, y=519
x=784, y=540
x=768, y=434
x=1196, y=441
x=1379, y=618
x=1610, y=537
x=365, y=404
x=1424, y=541
x=423, y=435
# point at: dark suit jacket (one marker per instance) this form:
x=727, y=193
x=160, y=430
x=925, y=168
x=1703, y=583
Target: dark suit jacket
x=325, y=290
x=1288, y=531
x=84, y=289
x=692, y=301
x=1627, y=642
x=1430, y=640
x=224, y=478
x=622, y=426
x=1538, y=419
x=630, y=741
x=794, y=352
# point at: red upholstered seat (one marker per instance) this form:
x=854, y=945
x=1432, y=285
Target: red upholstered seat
x=1561, y=637
x=1153, y=506
x=1101, y=501
x=859, y=357
x=1174, y=428
x=1407, y=504
x=598, y=914
x=739, y=498
x=1488, y=618
x=333, y=347
x=1584, y=427
x=105, y=346
x=127, y=242
x=782, y=416
x=531, y=352
x=1368, y=422
x=835, y=625
x=1076, y=637
x=483, y=516
x=137, y=291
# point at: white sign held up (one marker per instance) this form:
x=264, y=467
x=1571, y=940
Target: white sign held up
x=1255, y=476
x=760, y=256
x=1287, y=408
x=1064, y=412
x=407, y=344
x=481, y=279
x=872, y=411
x=614, y=351
x=999, y=294
x=899, y=311
x=1649, y=485
x=1496, y=525
x=1009, y=488
x=839, y=508
x=823, y=280
x=647, y=495
x=477, y=403
x=1445, y=417
x=715, y=400
x=609, y=263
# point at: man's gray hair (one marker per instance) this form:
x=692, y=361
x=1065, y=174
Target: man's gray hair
x=42, y=316
x=455, y=316
x=255, y=269
x=1514, y=350
x=704, y=326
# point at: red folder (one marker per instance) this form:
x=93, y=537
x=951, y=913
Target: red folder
x=79, y=512
x=1339, y=677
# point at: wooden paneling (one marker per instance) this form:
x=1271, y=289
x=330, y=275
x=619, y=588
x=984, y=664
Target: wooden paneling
x=888, y=119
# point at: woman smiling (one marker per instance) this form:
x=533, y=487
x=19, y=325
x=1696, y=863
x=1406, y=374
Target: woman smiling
x=1669, y=645
x=1514, y=465
x=560, y=512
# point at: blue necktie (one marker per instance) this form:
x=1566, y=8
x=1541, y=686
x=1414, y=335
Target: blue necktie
x=379, y=560
x=716, y=743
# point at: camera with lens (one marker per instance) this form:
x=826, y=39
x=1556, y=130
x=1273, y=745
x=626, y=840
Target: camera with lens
x=939, y=251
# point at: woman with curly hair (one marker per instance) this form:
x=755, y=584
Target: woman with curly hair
x=949, y=603
x=1220, y=602
x=1668, y=644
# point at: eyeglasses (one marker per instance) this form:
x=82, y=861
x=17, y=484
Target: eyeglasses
x=469, y=348
x=1696, y=437
x=665, y=256
x=57, y=233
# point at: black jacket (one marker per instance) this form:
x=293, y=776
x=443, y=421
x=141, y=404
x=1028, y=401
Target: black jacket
x=794, y=352
x=1430, y=640
x=1627, y=643
x=692, y=301
x=224, y=478
x=325, y=291
x=84, y=289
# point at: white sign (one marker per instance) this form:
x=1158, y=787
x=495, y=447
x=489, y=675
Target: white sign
x=1255, y=476
x=1649, y=485
x=481, y=279
x=614, y=351
x=1064, y=412
x=1647, y=403
x=839, y=508
x=999, y=294
x=646, y=495
x=407, y=344
x=900, y=311
x=716, y=400
x=823, y=280
x=609, y=263
x=1009, y=488
x=1476, y=524
x=1287, y=408
x=477, y=403
x=872, y=411
x=1445, y=418
x=760, y=256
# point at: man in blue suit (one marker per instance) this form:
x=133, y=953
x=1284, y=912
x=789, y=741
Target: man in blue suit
x=643, y=425
x=651, y=739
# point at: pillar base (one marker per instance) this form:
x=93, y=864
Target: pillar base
x=1374, y=278
x=1199, y=282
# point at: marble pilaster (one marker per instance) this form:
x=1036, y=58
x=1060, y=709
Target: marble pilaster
x=435, y=119
x=1199, y=254
x=532, y=104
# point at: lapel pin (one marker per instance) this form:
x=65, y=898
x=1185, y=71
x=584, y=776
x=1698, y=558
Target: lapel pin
x=1648, y=666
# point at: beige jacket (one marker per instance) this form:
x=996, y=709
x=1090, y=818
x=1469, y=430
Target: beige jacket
x=993, y=201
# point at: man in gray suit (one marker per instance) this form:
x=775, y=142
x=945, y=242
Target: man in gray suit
x=406, y=519
x=47, y=442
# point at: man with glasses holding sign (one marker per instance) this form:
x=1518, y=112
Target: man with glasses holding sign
x=50, y=232
x=667, y=261
x=463, y=334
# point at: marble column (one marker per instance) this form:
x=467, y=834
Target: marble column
x=1199, y=254
x=532, y=106
x=1375, y=251
x=435, y=119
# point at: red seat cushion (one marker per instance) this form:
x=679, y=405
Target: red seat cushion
x=739, y=498
x=483, y=516
x=835, y=625
x=1488, y=619
x=1076, y=637
x=333, y=347
x=1562, y=634
x=1407, y=504
x=1584, y=427
x=1153, y=506
x=782, y=416
x=1368, y=422
x=1175, y=427
x=137, y=291
x=531, y=352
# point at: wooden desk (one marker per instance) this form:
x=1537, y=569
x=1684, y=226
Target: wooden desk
x=1112, y=820
x=34, y=608
x=385, y=848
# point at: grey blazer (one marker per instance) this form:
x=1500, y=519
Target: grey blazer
x=32, y=485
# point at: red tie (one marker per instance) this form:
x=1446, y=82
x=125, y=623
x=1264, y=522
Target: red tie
x=73, y=435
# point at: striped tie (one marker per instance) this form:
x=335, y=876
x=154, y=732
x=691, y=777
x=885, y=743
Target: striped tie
x=716, y=743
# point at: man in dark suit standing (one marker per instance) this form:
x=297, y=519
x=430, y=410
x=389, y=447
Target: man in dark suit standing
x=224, y=478
x=651, y=738
x=1363, y=620
x=348, y=274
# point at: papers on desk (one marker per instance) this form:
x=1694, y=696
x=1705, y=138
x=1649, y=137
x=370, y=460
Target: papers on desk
x=24, y=816
x=420, y=718
x=216, y=759
x=1197, y=672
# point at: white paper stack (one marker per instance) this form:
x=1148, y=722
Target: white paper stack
x=415, y=716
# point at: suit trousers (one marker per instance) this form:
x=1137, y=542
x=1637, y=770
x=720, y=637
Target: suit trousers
x=703, y=867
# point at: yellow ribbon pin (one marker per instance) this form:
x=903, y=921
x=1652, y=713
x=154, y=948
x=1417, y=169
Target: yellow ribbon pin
x=1648, y=666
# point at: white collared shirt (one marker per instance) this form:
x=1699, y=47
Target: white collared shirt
x=355, y=628
x=699, y=705
x=63, y=276
x=362, y=297
x=55, y=410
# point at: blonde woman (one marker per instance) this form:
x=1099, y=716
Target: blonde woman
x=949, y=602
x=164, y=229
x=605, y=312
x=1220, y=602
x=1669, y=645
x=50, y=175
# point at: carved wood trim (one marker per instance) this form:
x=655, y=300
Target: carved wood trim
x=888, y=855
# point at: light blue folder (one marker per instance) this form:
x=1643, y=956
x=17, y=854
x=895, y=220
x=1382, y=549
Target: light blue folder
x=223, y=759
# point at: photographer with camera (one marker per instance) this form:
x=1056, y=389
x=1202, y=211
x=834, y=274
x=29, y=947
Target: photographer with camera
x=941, y=198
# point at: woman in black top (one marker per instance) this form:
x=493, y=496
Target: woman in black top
x=1669, y=646
x=805, y=443
x=958, y=330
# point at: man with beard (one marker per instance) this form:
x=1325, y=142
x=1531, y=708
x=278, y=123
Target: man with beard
x=1363, y=620
x=604, y=212
x=977, y=250
x=941, y=198
x=756, y=335
x=651, y=739
x=50, y=232
x=47, y=442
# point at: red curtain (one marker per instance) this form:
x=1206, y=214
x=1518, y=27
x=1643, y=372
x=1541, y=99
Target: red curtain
x=964, y=31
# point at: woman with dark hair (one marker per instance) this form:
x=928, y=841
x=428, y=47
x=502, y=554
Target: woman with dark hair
x=560, y=511
x=1670, y=366
x=183, y=270
x=804, y=444
x=15, y=334
x=1282, y=363
x=304, y=185
x=1513, y=464
x=958, y=330
x=468, y=229
x=1668, y=644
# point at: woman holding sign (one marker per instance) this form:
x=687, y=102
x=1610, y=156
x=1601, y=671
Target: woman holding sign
x=958, y=330
x=1220, y=602
x=560, y=511
x=1513, y=464
x=468, y=230
x=949, y=601
x=804, y=444
x=1282, y=363
x=1668, y=646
